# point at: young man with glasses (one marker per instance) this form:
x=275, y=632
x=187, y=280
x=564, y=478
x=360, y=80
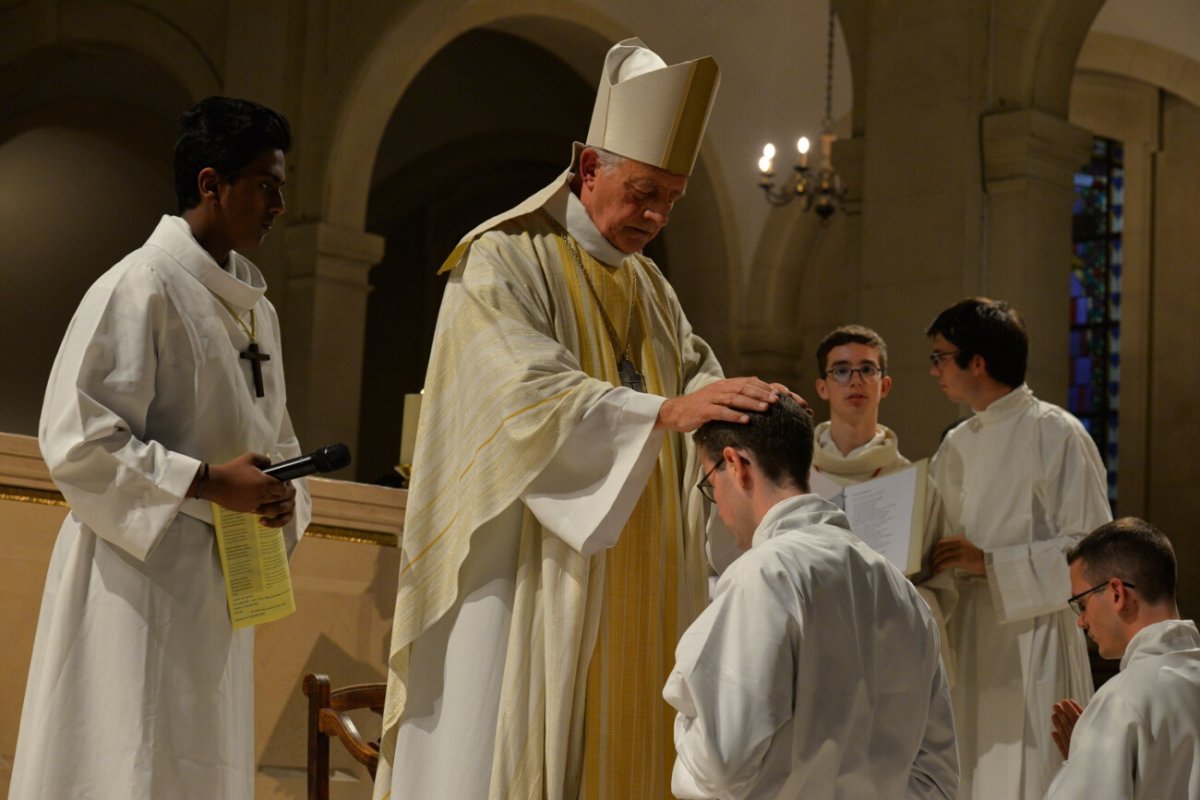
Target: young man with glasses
x=852, y=446
x=1140, y=734
x=1019, y=483
x=815, y=671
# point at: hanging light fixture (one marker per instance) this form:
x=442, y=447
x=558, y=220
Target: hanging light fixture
x=821, y=189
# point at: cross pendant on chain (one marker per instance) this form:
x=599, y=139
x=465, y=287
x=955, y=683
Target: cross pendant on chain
x=256, y=358
x=630, y=377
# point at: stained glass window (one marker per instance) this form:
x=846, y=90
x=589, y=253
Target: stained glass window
x=1095, y=346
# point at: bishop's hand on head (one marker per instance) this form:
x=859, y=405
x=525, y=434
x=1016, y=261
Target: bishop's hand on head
x=724, y=400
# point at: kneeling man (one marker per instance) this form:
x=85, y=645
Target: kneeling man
x=814, y=673
x=1140, y=734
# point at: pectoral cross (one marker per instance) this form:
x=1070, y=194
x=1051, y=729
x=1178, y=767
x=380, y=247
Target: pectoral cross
x=630, y=377
x=256, y=358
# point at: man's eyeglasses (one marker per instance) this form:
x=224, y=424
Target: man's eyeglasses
x=843, y=374
x=1076, y=601
x=935, y=358
x=705, y=485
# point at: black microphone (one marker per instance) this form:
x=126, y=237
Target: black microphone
x=324, y=459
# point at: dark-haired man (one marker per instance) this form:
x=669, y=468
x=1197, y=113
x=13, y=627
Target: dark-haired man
x=1140, y=734
x=167, y=395
x=815, y=672
x=1020, y=483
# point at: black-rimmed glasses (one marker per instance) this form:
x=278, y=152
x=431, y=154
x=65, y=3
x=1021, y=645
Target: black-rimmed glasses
x=1076, y=601
x=843, y=374
x=705, y=485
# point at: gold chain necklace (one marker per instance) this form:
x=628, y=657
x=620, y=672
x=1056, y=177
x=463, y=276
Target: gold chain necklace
x=249, y=330
x=630, y=377
x=252, y=353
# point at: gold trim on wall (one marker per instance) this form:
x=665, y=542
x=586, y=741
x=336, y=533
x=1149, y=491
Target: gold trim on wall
x=22, y=494
x=353, y=535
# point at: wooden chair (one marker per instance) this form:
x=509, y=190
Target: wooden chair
x=327, y=716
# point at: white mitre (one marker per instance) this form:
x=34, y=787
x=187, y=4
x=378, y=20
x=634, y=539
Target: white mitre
x=645, y=110
x=651, y=112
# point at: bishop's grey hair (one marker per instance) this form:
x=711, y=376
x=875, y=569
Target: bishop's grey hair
x=609, y=161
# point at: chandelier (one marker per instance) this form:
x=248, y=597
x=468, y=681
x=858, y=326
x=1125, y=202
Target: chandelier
x=821, y=189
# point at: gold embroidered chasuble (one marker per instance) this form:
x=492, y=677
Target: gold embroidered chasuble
x=521, y=353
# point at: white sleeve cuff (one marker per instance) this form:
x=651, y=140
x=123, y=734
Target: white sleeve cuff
x=1028, y=580
x=588, y=490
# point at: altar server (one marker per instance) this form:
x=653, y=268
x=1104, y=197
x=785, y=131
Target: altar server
x=1020, y=483
x=167, y=395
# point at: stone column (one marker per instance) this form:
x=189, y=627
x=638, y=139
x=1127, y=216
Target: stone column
x=967, y=183
x=327, y=286
x=1029, y=161
x=922, y=93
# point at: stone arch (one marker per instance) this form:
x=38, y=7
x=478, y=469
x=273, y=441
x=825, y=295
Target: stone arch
x=1040, y=75
x=575, y=33
x=443, y=166
x=701, y=236
x=108, y=24
x=572, y=32
x=1130, y=58
x=87, y=130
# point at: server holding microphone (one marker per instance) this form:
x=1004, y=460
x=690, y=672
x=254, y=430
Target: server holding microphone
x=167, y=388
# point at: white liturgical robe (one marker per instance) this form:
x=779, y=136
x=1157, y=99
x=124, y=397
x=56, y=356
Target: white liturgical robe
x=879, y=456
x=814, y=673
x=139, y=688
x=1139, y=737
x=543, y=505
x=1023, y=481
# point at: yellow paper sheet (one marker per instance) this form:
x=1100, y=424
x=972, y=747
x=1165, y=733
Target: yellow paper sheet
x=258, y=584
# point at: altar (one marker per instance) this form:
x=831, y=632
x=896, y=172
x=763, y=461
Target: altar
x=343, y=575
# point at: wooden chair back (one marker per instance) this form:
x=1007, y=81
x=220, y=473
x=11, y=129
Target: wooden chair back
x=327, y=716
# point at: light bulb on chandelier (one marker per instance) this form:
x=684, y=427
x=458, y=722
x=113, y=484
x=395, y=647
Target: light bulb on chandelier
x=823, y=188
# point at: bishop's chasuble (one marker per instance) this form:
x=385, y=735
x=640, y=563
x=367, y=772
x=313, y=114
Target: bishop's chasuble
x=553, y=552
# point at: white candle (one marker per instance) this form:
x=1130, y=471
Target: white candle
x=827, y=150
x=802, y=149
x=768, y=156
x=408, y=431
